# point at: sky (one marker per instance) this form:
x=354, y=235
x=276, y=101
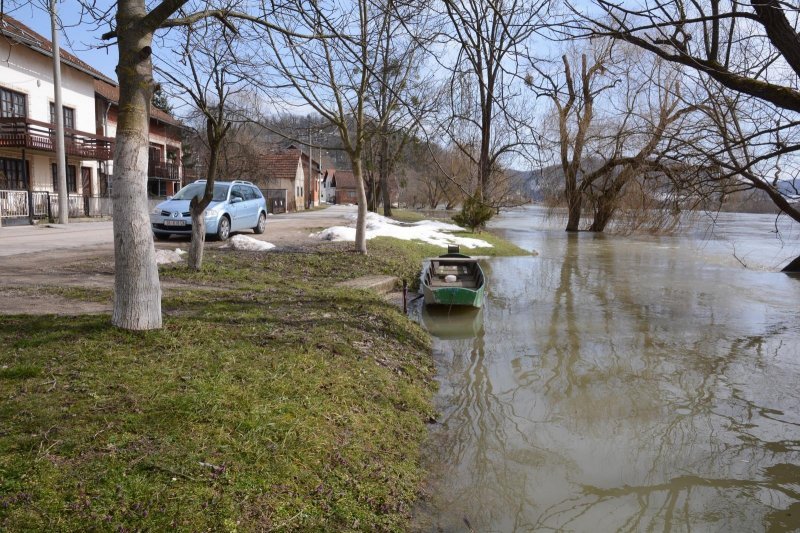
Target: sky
x=82, y=39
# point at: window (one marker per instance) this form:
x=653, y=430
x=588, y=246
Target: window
x=69, y=116
x=72, y=182
x=157, y=187
x=12, y=175
x=12, y=104
x=251, y=193
x=154, y=153
x=237, y=192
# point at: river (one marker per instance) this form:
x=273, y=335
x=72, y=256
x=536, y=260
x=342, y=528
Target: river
x=622, y=384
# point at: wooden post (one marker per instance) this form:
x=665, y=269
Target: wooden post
x=405, y=297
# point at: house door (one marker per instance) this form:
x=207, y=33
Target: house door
x=86, y=181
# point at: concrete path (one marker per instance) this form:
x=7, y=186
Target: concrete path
x=286, y=229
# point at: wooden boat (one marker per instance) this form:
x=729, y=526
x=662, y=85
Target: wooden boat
x=453, y=279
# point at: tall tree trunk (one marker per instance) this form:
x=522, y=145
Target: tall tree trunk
x=574, y=203
x=370, y=192
x=361, y=222
x=195, y=259
x=384, y=176
x=607, y=200
x=137, y=290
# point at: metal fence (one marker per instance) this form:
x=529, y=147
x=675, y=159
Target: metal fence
x=15, y=205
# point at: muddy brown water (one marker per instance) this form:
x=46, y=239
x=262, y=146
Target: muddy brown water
x=622, y=384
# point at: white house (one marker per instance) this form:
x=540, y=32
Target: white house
x=282, y=175
x=27, y=147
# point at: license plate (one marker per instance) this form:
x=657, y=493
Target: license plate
x=174, y=223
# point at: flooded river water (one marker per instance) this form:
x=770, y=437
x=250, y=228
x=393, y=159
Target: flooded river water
x=622, y=384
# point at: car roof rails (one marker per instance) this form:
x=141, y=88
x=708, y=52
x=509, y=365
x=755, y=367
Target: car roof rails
x=223, y=181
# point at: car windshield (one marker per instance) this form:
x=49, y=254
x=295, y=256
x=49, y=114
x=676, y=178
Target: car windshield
x=197, y=189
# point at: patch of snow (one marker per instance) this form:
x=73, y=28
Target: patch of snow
x=165, y=257
x=430, y=231
x=249, y=244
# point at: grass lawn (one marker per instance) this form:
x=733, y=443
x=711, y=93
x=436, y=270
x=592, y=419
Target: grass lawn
x=270, y=400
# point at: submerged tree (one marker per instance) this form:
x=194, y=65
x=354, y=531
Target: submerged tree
x=616, y=122
x=573, y=95
x=752, y=54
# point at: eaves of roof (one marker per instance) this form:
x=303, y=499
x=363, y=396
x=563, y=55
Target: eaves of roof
x=19, y=32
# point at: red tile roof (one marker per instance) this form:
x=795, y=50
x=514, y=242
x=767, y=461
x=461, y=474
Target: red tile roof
x=345, y=179
x=16, y=31
x=110, y=91
x=280, y=165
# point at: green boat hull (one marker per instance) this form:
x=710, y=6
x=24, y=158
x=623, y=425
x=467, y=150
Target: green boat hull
x=453, y=296
x=453, y=279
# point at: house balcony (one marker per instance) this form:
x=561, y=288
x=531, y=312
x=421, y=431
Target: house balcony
x=18, y=132
x=163, y=170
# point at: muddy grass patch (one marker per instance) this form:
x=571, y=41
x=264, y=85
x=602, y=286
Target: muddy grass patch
x=269, y=400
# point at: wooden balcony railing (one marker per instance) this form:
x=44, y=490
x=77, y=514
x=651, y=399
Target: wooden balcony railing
x=163, y=170
x=18, y=132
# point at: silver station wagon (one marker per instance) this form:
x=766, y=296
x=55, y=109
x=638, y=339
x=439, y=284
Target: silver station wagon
x=236, y=205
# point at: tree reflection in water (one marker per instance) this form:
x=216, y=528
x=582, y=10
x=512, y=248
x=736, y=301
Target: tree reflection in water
x=620, y=385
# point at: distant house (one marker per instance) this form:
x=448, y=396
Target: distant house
x=345, y=185
x=280, y=176
x=27, y=127
x=312, y=179
x=165, y=173
x=339, y=186
x=328, y=190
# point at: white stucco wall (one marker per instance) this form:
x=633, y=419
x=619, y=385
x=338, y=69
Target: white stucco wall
x=31, y=73
x=299, y=184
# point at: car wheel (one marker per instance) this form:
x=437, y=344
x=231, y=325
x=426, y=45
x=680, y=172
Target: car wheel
x=224, y=229
x=262, y=224
x=161, y=236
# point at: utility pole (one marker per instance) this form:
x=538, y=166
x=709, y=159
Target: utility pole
x=61, y=158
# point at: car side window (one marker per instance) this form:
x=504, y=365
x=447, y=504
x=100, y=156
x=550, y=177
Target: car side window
x=237, y=192
x=257, y=194
x=250, y=194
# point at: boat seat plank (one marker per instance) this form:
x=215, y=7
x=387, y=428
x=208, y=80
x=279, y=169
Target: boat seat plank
x=465, y=284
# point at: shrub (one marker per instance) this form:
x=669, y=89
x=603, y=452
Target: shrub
x=474, y=214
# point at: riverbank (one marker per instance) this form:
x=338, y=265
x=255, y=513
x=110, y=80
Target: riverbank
x=270, y=399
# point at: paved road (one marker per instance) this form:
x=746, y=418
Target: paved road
x=18, y=240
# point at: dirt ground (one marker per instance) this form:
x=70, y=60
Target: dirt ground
x=35, y=282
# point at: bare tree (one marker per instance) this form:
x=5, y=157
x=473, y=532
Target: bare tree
x=490, y=38
x=573, y=98
x=214, y=75
x=396, y=93
x=137, y=290
x=332, y=74
x=616, y=123
x=750, y=50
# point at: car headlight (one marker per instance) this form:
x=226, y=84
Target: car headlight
x=212, y=212
x=156, y=211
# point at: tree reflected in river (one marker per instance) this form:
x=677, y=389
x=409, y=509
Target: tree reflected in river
x=620, y=384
